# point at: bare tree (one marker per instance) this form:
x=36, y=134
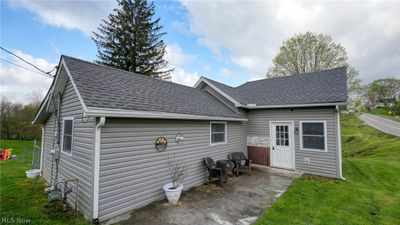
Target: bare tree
x=310, y=52
x=35, y=98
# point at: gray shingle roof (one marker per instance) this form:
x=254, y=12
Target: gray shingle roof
x=328, y=86
x=231, y=91
x=106, y=87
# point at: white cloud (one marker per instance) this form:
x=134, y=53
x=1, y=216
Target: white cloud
x=175, y=56
x=177, y=59
x=17, y=83
x=253, y=31
x=229, y=73
x=181, y=76
x=82, y=15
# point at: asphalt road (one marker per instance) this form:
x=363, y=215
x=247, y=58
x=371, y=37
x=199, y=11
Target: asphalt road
x=385, y=125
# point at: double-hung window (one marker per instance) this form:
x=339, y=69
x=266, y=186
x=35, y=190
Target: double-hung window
x=313, y=135
x=218, y=132
x=67, y=135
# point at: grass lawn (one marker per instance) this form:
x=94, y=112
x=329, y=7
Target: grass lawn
x=369, y=195
x=382, y=112
x=24, y=199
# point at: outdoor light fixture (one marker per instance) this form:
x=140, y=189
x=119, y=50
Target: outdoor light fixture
x=296, y=130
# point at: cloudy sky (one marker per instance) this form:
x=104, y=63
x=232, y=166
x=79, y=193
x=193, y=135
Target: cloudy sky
x=229, y=41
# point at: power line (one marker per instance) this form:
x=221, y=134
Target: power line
x=33, y=71
x=48, y=73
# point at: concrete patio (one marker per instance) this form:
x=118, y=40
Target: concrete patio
x=241, y=201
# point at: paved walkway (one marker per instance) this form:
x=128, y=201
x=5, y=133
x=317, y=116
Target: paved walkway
x=240, y=202
x=385, y=125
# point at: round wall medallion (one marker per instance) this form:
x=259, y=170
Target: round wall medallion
x=161, y=144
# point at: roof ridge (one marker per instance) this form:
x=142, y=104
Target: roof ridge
x=294, y=75
x=125, y=71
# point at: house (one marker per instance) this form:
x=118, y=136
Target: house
x=105, y=121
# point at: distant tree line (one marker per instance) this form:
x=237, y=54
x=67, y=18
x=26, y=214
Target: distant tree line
x=16, y=120
x=383, y=93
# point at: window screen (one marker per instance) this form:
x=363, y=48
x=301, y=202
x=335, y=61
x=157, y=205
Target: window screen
x=313, y=135
x=218, y=134
x=67, y=136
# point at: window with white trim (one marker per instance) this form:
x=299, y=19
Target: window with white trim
x=68, y=125
x=217, y=132
x=313, y=135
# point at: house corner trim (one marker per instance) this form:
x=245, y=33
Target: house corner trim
x=42, y=150
x=339, y=143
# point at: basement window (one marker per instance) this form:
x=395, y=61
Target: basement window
x=313, y=136
x=218, y=133
x=67, y=135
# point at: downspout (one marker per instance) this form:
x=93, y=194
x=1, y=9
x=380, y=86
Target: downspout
x=96, y=170
x=42, y=151
x=339, y=142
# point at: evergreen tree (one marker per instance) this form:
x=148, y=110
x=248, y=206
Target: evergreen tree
x=131, y=39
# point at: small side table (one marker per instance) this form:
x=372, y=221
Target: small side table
x=227, y=164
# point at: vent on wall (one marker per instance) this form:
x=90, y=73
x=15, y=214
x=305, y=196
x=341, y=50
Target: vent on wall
x=306, y=160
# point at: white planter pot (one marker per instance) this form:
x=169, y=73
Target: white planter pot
x=32, y=173
x=173, y=195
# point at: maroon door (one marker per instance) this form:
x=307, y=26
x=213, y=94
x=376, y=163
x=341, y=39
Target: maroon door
x=258, y=155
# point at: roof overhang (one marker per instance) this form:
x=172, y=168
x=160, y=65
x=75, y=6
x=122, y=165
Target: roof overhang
x=202, y=80
x=57, y=86
x=292, y=105
x=120, y=113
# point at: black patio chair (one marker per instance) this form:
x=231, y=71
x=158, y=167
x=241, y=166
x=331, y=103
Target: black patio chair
x=242, y=164
x=214, y=171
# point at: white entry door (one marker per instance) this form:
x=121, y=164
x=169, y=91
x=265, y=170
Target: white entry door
x=282, y=144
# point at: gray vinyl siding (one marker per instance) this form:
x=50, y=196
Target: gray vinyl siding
x=79, y=164
x=321, y=163
x=48, y=145
x=132, y=172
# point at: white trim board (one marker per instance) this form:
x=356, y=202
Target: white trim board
x=50, y=94
x=42, y=149
x=72, y=135
x=292, y=105
x=202, y=79
x=74, y=85
x=152, y=115
x=293, y=142
x=325, y=135
x=96, y=168
x=339, y=143
x=226, y=132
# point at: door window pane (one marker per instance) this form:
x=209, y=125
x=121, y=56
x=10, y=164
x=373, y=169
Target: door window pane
x=282, y=135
